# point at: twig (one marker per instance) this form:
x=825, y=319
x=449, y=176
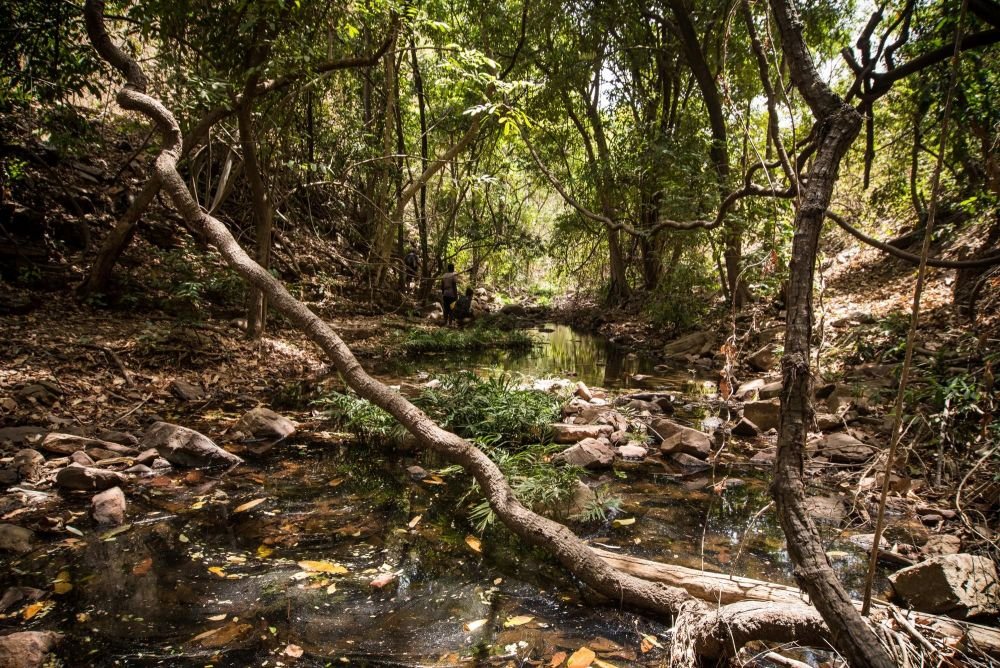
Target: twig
x=131, y=410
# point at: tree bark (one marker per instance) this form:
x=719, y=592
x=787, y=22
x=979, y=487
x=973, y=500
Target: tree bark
x=263, y=215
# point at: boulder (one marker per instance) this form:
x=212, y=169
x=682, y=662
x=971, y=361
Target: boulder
x=939, y=544
x=828, y=421
x=763, y=359
x=28, y=463
x=746, y=429
x=826, y=508
x=16, y=539
x=764, y=414
x=265, y=427
x=583, y=391
x=770, y=391
x=186, y=447
x=15, y=595
x=692, y=344
x=67, y=444
x=687, y=461
x=630, y=451
x=186, y=391
x=574, y=433
x=960, y=585
x=119, y=437
x=108, y=507
x=678, y=438
x=614, y=419
x=749, y=389
x=27, y=649
x=82, y=458
x=417, y=473
x=76, y=477
x=764, y=457
x=845, y=449
x=590, y=453
x=618, y=438
x=146, y=457
x=20, y=435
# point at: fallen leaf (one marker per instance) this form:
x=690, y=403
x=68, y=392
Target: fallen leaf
x=198, y=505
x=294, y=651
x=336, y=482
x=143, y=566
x=322, y=567
x=581, y=658
x=604, y=664
x=248, y=505
x=331, y=588
x=35, y=608
x=263, y=551
x=62, y=583
x=474, y=543
x=474, y=625
x=557, y=659
x=519, y=620
x=624, y=522
x=182, y=538
x=223, y=635
x=217, y=570
x=415, y=521
x=383, y=580
x=72, y=530
x=432, y=480
x=217, y=618
x=648, y=643
x=109, y=535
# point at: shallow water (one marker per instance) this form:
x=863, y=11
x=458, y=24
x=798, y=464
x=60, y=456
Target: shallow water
x=194, y=582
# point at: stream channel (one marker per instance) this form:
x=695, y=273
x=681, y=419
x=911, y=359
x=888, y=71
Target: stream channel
x=191, y=582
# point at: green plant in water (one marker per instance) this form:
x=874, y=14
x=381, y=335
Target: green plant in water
x=454, y=340
x=360, y=417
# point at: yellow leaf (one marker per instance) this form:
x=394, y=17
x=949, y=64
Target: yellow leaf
x=263, y=551
x=557, y=659
x=332, y=588
x=322, y=567
x=474, y=625
x=520, y=620
x=243, y=507
x=648, y=643
x=143, y=566
x=197, y=505
x=336, y=482
x=294, y=651
x=581, y=658
x=415, y=521
x=474, y=543
x=33, y=609
x=62, y=583
x=217, y=618
x=433, y=480
x=217, y=570
x=623, y=522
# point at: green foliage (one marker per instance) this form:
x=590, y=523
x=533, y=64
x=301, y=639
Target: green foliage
x=360, y=417
x=960, y=409
x=491, y=410
x=441, y=340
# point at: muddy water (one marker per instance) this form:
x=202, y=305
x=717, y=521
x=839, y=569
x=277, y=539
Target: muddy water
x=196, y=581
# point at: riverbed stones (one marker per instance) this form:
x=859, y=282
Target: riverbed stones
x=27, y=649
x=87, y=478
x=843, y=448
x=21, y=435
x=82, y=458
x=186, y=447
x=943, y=543
x=67, y=444
x=28, y=463
x=589, y=453
x=828, y=421
x=678, y=438
x=108, y=507
x=959, y=585
x=765, y=457
x=749, y=389
x=687, y=461
x=765, y=413
x=264, y=424
x=186, y=391
x=631, y=451
x=583, y=391
x=16, y=539
x=746, y=429
x=763, y=359
x=770, y=391
x=695, y=344
x=574, y=433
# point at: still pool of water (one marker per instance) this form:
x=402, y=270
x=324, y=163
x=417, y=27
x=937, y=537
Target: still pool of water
x=195, y=580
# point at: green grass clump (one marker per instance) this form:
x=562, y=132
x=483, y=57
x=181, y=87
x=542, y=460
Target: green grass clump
x=360, y=417
x=445, y=340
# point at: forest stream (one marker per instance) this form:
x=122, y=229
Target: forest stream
x=280, y=555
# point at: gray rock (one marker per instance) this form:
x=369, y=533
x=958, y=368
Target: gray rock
x=139, y=470
x=160, y=463
x=749, y=389
x=770, y=391
x=630, y=451
x=574, y=433
x=763, y=359
x=20, y=435
x=845, y=449
x=764, y=414
x=186, y=391
x=826, y=508
x=28, y=463
x=678, y=438
x=108, y=507
x=265, y=425
x=27, y=649
x=185, y=447
x=16, y=539
x=15, y=595
x=692, y=344
x=764, y=457
x=687, y=461
x=583, y=391
x=590, y=453
x=960, y=585
x=416, y=472
x=76, y=477
x=146, y=457
x=939, y=544
x=828, y=421
x=82, y=458
x=119, y=437
x=746, y=429
x=67, y=444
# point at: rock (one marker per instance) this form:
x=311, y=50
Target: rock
x=763, y=359
x=583, y=391
x=43, y=392
x=265, y=425
x=186, y=447
x=139, y=470
x=638, y=405
x=614, y=419
x=845, y=449
x=745, y=429
x=931, y=519
x=939, y=544
x=828, y=421
x=16, y=539
x=764, y=457
x=8, y=477
x=146, y=457
x=108, y=507
x=749, y=389
x=20, y=435
x=417, y=472
x=631, y=451
x=119, y=437
x=960, y=585
x=67, y=444
x=840, y=398
x=764, y=414
x=687, y=461
x=27, y=649
x=76, y=477
x=826, y=508
x=160, y=463
x=692, y=344
x=186, y=391
x=770, y=391
x=28, y=463
x=574, y=433
x=678, y=438
x=82, y=458
x=15, y=595
x=591, y=414
x=590, y=453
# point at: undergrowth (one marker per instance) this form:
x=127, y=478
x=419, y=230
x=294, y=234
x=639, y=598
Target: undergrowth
x=444, y=340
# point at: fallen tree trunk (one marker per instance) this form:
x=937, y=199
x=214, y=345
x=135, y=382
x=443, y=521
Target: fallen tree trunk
x=729, y=590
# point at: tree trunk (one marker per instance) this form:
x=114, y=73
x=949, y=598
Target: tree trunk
x=423, y=276
x=263, y=214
